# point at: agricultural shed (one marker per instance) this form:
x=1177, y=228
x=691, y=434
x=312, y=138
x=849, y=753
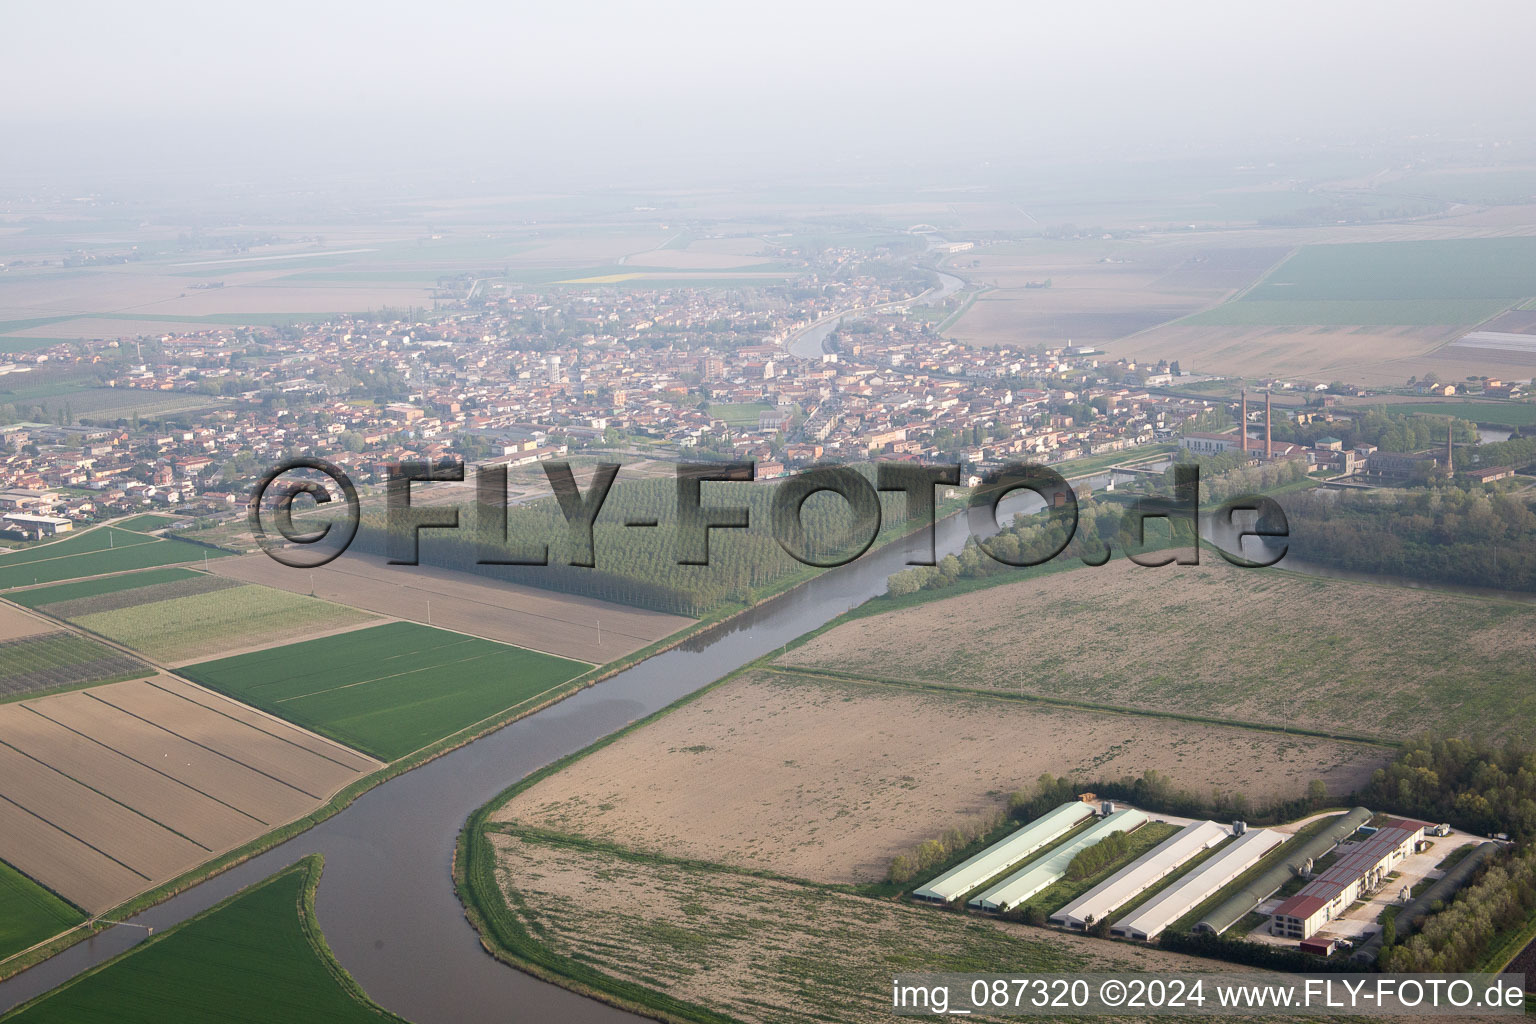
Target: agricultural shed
x=1051, y=868
x=1257, y=891
x=1157, y=863
x=1150, y=919
x=1005, y=853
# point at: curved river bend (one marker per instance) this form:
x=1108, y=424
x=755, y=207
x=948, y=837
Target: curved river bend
x=386, y=901
x=811, y=343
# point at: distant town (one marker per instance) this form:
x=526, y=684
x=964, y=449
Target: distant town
x=786, y=376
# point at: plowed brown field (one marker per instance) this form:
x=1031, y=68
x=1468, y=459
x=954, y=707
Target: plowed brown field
x=108, y=792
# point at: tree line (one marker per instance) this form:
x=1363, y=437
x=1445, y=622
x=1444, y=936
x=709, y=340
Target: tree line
x=1099, y=856
x=1473, y=784
x=1226, y=476
x=1155, y=791
x=1101, y=529
x=931, y=854
x=639, y=566
x=1442, y=535
x=1387, y=430
x=1457, y=936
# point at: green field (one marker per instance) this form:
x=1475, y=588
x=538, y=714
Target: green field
x=1463, y=268
x=61, y=661
x=37, y=597
x=1483, y=186
x=193, y=625
x=742, y=415
x=198, y=583
x=92, y=553
x=109, y=403
x=29, y=913
x=257, y=958
x=1508, y=414
x=387, y=690
x=147, y=523
x=1446, y=282
x=22, y=344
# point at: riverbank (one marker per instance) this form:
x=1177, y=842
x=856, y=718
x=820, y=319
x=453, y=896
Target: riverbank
x=723, y=619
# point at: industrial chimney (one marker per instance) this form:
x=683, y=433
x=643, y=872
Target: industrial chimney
x=1268, y=452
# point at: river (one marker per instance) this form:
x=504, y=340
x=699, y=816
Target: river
x=809, y=344
x=386, y=901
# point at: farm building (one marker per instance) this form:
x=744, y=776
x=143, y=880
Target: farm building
x=1124, y=885
x=1359, y=869
x=36, y=525
x=1048, y=870
x=1150, y=919
x=1489, y=474
x=1298, y=861
x=1002, y=855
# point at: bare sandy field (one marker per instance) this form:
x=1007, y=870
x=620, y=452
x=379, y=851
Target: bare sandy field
x=105, y=793
x=89, y=879
x=735, y=245
x=149, y=291
x=15, y=624
x=326, y=748
x=767, y=950
x=1221, y=270
x=107, y=327
x=1068, y=311
x=1098, y=290
x=143, y=846
x=1252, y=645
x=188, y=811
x=1369, y=355
x=265, y=799
x=829, y=780
x=541, y=620
x=293, y=764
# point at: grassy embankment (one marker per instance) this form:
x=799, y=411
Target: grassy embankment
x=257, y=957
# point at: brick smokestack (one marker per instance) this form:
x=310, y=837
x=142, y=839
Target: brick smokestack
x=1268, y=451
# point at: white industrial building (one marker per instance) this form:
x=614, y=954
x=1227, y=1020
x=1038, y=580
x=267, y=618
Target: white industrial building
x=36, y=525
x=1150, y=919
x=1006, y=853
x=1048, y=870
x=1124, y=885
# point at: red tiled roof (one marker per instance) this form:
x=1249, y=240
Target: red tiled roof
x=1325, y=888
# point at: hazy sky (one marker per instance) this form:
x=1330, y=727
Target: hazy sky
x=565, y=85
